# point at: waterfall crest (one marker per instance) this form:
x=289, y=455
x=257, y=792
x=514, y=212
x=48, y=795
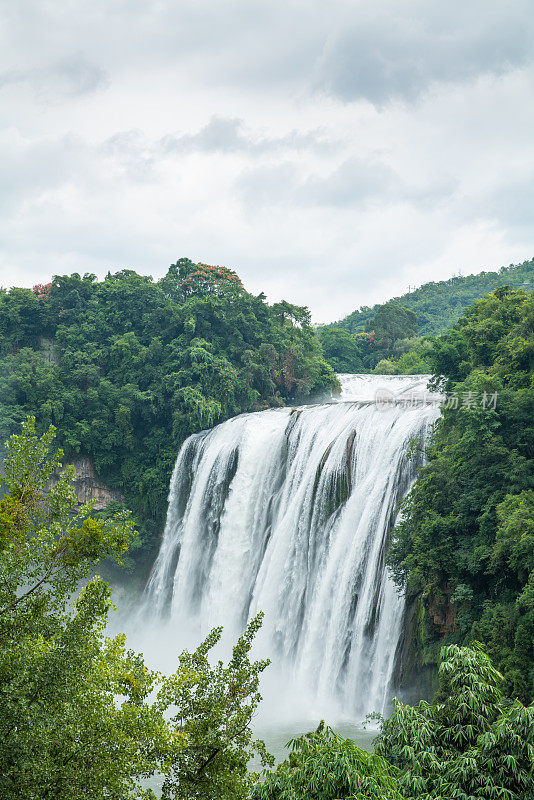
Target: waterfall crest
x=288, y=511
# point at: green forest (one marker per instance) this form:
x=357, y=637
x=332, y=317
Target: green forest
x=122, y=370
x=439, y=304
x=465, y=547
x=126, y=368
x=394, y=337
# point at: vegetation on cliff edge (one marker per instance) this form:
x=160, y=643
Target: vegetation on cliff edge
x=127, y=368
x=465, y=545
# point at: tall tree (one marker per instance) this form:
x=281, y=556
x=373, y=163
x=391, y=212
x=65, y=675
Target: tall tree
x=463, y=547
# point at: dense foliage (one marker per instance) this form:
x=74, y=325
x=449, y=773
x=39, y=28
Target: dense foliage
x=389, y=332
x=396, y=344
x=343, y=350
x=439, y=304
x=213, y=707
x=468, y=744
x=465, y=546
x=75, y=719
x=325, y=766
x=61, y=733
x=127, y=368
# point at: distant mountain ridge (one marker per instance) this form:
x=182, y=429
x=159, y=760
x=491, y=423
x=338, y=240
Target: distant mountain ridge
x=439, y=304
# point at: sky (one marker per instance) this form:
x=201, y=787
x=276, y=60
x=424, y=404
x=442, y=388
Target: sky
x=333, y=153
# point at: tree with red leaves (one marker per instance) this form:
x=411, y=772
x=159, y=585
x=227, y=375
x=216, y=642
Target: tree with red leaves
x=42, y=290
x=208, y=280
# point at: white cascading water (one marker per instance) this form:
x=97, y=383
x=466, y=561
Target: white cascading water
x=289, y=511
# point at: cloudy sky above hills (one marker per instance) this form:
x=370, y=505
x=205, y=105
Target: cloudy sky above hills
x=333, y=153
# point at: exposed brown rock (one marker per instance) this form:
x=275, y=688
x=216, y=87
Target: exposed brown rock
x=440, y=608
x=88, y=487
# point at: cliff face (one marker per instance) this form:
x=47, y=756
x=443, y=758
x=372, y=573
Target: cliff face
x=415, y=676
x=88, y=487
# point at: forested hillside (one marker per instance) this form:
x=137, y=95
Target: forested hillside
x=126, y=368
x=392, y=337
x=465, y=545
x=439, y=304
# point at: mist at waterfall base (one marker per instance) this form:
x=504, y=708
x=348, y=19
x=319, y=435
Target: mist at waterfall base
x=288, y=511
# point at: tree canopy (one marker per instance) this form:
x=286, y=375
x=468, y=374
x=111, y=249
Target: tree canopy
x=76, y=718
x=469, y=743
x=127, y=368
x=465, y=545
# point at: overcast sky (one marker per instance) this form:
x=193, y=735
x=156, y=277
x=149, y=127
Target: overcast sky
x=332, y=152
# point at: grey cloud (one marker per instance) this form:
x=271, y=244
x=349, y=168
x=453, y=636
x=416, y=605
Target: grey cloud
x=512, y=203
x=434, y=193
x=218, y=136
x=228, y=135
x=352, y=50
x=353, y=184
x=273, y=201
x=378, y=52
x=223, y=136
x=75, y=75
x=130, y=149
x=29, y=169
x=69, y=77
x=402, y=52
x=357, y=183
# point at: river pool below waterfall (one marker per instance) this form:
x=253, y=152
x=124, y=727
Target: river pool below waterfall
x=276, y=737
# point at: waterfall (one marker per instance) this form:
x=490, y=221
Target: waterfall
x=289, y=511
